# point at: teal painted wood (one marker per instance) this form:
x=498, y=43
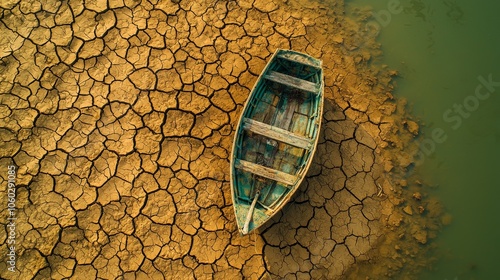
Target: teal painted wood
x=287, y=98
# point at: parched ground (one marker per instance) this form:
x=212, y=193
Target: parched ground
x=120, y=117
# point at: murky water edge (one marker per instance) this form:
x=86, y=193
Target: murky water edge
x=448, y=61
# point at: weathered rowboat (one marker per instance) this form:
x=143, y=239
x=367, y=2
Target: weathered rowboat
x=276, y=137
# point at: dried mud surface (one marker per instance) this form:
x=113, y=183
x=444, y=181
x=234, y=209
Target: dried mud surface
x=120, y=117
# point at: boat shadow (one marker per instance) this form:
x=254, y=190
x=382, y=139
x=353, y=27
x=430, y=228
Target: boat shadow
x=333, y=217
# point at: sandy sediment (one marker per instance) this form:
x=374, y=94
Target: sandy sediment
x=120, y=117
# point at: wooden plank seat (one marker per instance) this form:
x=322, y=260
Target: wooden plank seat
x=291, y=81
x=298, y=59
x=266, y=172
x=277, y=133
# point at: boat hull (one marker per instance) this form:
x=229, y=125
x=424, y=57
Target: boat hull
x=276, y=137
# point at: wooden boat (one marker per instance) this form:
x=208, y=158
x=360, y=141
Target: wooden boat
x=276, y=137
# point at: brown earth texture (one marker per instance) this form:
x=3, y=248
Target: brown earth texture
x=119, y=116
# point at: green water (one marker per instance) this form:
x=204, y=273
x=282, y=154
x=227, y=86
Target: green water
x=441, y=48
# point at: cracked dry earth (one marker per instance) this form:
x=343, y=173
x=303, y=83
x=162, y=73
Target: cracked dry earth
x=120, y=117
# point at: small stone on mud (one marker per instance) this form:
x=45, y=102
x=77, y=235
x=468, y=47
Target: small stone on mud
x=338, y=39
x=420, y=236
x=417, y=196
x=412, y=127
x=395, y=219
x=408, y=210
x=393, y=73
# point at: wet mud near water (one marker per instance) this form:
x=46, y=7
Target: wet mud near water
x=120, y=117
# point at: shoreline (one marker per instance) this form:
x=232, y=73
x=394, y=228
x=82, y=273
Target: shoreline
x=120, y=120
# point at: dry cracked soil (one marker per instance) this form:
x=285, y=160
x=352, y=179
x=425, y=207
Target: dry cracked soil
x=119, y=116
